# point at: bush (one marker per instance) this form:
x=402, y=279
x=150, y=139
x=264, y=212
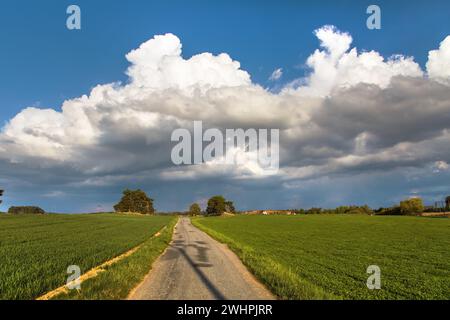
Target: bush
x=412, y=206
x=393, y=211
x=352, y=210
x=314, y=211
x=135, y=201
x=26, y=210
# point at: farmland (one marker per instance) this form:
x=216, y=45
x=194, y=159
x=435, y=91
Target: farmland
x=326, y=256
x=35, y=251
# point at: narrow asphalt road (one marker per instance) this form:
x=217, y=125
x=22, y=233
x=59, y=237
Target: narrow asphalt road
x=197, y=267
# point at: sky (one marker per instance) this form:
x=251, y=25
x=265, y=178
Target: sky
x=86, y=113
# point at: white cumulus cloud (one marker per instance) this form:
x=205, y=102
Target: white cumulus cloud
x=438, y=65
x=339, y=66
x=157, y=64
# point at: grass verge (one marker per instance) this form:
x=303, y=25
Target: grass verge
x=120, y=278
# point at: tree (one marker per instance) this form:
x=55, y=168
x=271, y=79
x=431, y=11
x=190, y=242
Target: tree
x=411, y=206
x=195, y=210
x=1, y=195
x=135, y=201
x=26, y=210
x=218, y=205
x=447, y=203
x=229, y=207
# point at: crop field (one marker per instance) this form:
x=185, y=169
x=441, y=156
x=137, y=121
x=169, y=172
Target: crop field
x=326, y=256
x=35, y=251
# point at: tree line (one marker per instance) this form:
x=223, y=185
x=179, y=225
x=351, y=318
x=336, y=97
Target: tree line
x=137, y=201
x=412, y=206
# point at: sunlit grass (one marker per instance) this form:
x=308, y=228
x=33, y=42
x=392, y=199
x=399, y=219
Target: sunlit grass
x=326, y=256
x=35, y=251
x=119, y=279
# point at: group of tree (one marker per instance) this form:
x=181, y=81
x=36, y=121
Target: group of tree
x=339, y=210
x=26, y=210
x=217, y=205
x=412, y=206
x=135, y=201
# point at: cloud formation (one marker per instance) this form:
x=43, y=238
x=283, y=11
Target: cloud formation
x=340, y=66
x=438, y=65
x=354, y=113
x=158, y=65
x=276, y=74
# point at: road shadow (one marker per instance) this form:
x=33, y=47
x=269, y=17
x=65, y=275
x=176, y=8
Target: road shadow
x=179, y=247
x=203, y=278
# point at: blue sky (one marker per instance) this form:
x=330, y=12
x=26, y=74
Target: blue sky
x=43, y=64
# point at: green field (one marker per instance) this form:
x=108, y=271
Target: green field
x=35, y=251
x=123, y=276
x=326, y=256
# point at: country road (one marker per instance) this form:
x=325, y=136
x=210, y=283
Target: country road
x=195, y=266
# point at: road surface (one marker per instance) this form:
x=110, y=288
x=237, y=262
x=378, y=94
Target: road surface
x=197, y=267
